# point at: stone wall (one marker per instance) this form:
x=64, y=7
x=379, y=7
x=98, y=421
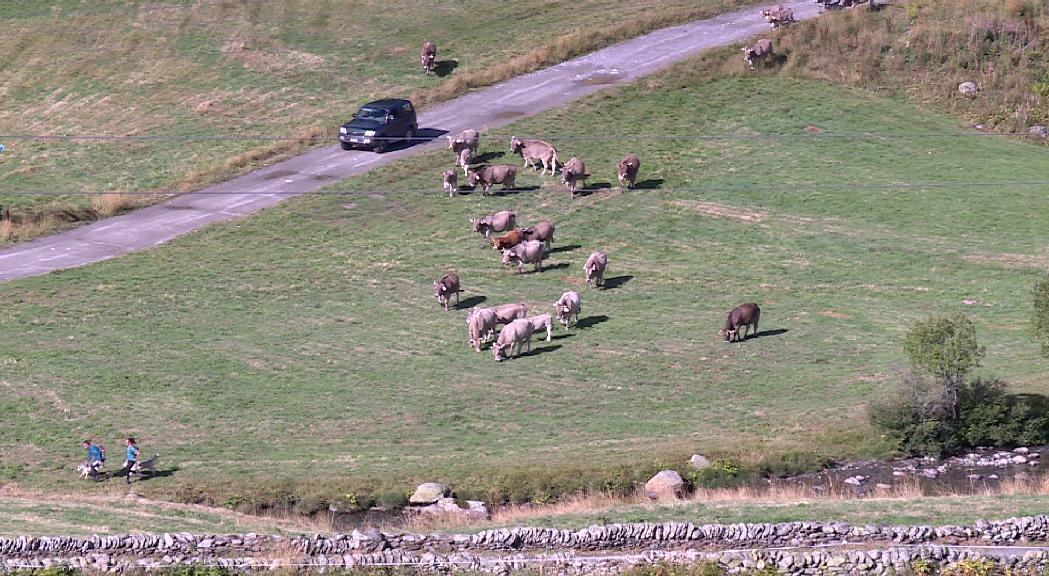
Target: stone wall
x=793, y=547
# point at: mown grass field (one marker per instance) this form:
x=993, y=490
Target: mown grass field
x=201, y=82
x=298, y=356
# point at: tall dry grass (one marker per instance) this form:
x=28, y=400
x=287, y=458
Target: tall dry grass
x=923, y=49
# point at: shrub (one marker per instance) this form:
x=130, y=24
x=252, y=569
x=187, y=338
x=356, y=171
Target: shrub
x=1040, y=318
x=945, y=348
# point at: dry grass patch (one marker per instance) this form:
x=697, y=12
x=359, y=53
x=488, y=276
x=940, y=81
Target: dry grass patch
x=721, y=210
x=1007, y=260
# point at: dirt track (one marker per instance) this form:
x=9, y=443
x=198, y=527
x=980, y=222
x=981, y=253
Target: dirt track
x=489, y=108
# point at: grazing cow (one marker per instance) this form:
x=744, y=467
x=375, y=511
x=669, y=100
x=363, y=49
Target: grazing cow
x=543, y=232
x=535, y=151
x=573, y=173
x=465, y=139
x=466, y=155
x=428, y=55
x=489, y=175
x=595, y=268
x=496, y=222
x=516, y=333
x=509, y=240
x=759, y=52
x=542, y=321
x=741, y=316
x=778, y=16
x=627, y=168
x=567, y=305
x=451, y=182
x=507, y=313
x=527, y=252
x=444, y=288
x=482, y=326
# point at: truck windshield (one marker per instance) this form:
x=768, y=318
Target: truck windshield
x=372, y=114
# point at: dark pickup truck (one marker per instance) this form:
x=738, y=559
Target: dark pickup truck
x=379, y=124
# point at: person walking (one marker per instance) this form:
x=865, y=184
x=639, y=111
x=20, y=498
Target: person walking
x=132, y=457
x=96, y=457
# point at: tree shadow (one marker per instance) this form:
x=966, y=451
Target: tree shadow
x=616, y=282
x=650, y=184
x=537, y=351
x=590, y=321
x=470, y=302
x=443, y=68
x=565, y=248
x=764, y=333
x=487, y=157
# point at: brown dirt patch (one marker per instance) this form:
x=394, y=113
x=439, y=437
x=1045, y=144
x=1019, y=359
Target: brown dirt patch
x=833, y=314
x=722, y=211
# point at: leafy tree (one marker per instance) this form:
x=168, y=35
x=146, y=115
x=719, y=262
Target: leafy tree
x=1040, y=319
x=945, y=348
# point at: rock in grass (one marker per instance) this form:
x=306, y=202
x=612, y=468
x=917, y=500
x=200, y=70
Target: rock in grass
x=699, y=461
x=429, y=492
x=967, y=88
x=665, y=484
x=1038, y=131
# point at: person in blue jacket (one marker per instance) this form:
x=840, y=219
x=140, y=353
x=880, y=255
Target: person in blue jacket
x=95, y=458
x=132, y=457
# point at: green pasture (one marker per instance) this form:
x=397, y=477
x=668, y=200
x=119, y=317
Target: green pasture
x=300, y=354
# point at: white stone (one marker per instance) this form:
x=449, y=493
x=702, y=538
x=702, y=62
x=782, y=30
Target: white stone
x=666, y=483
x=699, y=461
x=967, y=88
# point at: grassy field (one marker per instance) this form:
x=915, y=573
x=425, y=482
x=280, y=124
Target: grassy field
x=47, y=515
x=221, y=73
x=298, y=357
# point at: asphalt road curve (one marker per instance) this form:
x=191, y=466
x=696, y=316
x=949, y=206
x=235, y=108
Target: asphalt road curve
x=489, y=108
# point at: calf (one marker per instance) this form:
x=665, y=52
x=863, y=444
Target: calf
x=542, y=321
x=567, y=305
x=489, y=175
x=527, y=252
x=427, y=56
x=741, y=316
x=496, y=222
x=535, y=151
x=573, y=173
x=443, y=288
x=516, y=333
x=466, y=139
x=627, y=169
x=481, y=323
x=778, y=16
x=466, y=155
x=451, y=182
x=759, y=52
x=543, y=232
x=595, y=268
x=509, y=240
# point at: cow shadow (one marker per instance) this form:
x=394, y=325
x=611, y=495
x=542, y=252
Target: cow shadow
x=423, y=136
x=615, y=282
x=764, y=333
x=565, y=248
x=470, y=302
x=488, y=157
x=443, y=68
x=537, y=351
x=561, y=336
x=518, y=190
x=558, y=266
x=650, y=184
x=590, y=321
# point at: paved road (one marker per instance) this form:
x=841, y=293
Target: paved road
x=489, y=108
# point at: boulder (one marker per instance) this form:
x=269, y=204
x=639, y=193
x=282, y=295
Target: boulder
x=699, y=461
x=429, y=493
x=1038, y=131
x=665, y=484
x=967, y=88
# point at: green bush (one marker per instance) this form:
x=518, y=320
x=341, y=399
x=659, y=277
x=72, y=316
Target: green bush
x=1040, y=319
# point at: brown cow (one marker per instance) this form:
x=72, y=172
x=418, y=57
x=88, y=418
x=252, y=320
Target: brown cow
x=527, y=252
x=627, y=169
x=759, y=52
x=427, y=56
x=509, y=240
x=451, y=182
x=535, y=151
x=741, y=316
x=573, y=173
x=466, y=139
x=489, y=175
x=543, y=232
x=496, y=222
x=443, y=288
